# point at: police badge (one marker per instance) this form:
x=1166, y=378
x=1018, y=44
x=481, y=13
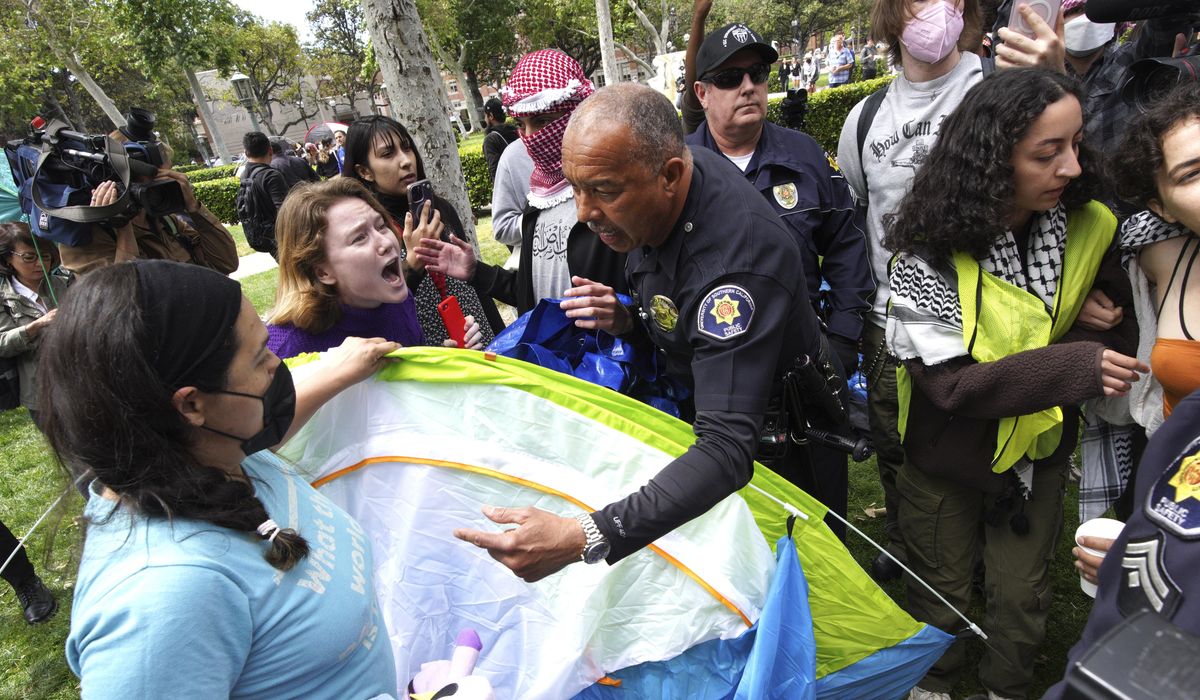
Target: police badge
x=786, y=195
x=664, y=312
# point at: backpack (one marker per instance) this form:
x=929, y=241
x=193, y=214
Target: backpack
x=256, y=211
x=871, y=106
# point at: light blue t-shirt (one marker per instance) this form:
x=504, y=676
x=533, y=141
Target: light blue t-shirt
x=192, y=610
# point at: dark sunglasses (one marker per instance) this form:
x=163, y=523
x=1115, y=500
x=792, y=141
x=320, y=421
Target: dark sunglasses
x=732, y=77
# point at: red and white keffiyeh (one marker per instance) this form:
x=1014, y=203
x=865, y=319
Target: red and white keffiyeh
x=546, y=81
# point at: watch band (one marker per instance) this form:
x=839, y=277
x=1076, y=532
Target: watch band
x=595, y=548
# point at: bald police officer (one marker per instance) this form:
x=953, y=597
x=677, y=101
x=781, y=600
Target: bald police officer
x=720, y=291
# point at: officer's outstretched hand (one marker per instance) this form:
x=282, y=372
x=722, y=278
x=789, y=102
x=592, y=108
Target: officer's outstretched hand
x=541, y=544
x=595, y=306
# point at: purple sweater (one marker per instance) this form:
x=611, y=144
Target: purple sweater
x=396, y=322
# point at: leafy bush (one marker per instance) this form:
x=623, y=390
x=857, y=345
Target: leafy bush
x=479, y=183
x=219, y=196
x=828, y=109
x=190, y=167
x=206, y=174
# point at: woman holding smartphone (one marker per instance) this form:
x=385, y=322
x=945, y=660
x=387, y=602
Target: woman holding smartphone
x=381, y=155
x=342, y=275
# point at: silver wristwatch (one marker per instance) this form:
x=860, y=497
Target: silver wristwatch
x=596, y=549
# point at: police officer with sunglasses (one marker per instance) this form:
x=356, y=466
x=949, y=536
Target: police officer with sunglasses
x=810, y=196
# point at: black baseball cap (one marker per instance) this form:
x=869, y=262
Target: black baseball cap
x=719, y=45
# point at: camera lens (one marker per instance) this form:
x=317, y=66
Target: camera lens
x=1152, y=78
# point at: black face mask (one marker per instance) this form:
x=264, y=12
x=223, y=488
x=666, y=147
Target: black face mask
x=279, y=408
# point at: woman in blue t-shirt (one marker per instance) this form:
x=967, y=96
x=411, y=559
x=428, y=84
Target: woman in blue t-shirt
x=210, y=569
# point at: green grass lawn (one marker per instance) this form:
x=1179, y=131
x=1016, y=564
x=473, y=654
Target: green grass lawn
x=33, y=659
x=243, y=248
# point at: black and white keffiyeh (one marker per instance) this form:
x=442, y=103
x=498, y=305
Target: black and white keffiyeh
x=1144, y=228
x=926, y=318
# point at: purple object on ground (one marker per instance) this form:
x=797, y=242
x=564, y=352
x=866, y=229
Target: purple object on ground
x=468, y=638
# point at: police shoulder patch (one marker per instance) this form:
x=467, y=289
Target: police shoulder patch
x=1174, y=502
x=1145, y=580
x=725, y=312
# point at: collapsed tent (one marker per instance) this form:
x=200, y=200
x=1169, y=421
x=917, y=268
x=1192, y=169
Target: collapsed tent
x=416, y=452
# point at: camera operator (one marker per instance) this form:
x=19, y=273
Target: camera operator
x=194, y=235
x=1095, y=56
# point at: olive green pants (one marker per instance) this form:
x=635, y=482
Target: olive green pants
x=879, y=368
x=944, y=530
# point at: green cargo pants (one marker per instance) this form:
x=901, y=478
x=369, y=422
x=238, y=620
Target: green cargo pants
x=879, y=368
x=945, y=533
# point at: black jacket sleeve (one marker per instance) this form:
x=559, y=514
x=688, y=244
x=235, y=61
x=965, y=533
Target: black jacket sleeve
x=275, y=185
x=845, y=264
x=720, y=462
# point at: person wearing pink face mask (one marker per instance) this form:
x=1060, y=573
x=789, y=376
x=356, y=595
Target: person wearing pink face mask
x=883, y=143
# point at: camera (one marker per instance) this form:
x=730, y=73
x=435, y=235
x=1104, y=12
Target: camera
x=1152, y=78
x=56, y=169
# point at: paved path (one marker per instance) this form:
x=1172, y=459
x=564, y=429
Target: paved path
x=253, y=264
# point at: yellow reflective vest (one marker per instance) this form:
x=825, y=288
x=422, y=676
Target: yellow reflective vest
x=1001, y=319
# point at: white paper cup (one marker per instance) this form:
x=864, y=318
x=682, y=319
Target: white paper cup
x=1106, y=528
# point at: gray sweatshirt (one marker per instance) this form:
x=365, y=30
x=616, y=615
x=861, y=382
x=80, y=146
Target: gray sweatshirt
x=897, y=143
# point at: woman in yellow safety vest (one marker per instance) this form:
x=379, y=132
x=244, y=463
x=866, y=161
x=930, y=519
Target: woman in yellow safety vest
x=1009, y=308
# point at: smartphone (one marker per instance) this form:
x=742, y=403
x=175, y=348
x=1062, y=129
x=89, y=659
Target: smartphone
x=452, y=316
x=1046, y=9
x=419, y=192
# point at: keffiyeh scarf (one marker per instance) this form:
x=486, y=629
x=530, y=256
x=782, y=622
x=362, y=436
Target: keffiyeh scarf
x=925, y=321
x=546, y=81
x=1144, y=228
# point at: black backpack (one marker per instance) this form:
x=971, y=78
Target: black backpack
x=256, y=211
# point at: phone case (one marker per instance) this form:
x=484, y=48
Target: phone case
x=452, y=316
x=1046, y=9
x=419, y=192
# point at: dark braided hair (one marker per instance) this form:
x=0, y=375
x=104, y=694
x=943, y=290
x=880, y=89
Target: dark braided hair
x=110, y=415
x=963, y=193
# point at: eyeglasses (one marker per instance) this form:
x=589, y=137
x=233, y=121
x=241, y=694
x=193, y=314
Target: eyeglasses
x=32, y=257
x=732, y=77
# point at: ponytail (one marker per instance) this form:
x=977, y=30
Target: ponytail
x=120, y=426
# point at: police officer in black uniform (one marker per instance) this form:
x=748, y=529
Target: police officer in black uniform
x=720, y=290
x=1152, y=565
x=810, y=197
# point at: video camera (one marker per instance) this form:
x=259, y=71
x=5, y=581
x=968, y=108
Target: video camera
x=1152, y=78
x=57, y=168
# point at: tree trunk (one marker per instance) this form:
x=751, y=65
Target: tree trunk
x=474, y=110
x=206, y=115
x=474, y=99
x=608, y=59
x=419, y=97
x=85, y=79
x=658, y=37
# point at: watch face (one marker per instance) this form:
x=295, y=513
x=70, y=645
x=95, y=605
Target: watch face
x=596, y=552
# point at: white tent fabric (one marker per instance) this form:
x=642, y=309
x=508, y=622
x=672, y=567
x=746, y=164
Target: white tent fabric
x=412, y=461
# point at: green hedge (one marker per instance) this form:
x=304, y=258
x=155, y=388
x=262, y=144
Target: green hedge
x=828, y=109
x=206, y=174
x=190, y=167
x=219, y=196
